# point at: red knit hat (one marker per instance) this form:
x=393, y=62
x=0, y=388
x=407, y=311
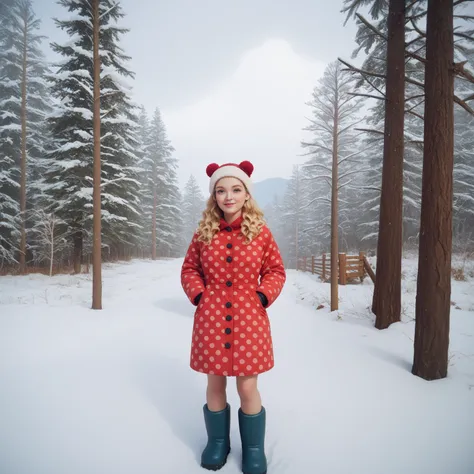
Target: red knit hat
x=242, y=171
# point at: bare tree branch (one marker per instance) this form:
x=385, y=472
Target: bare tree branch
x=324, y=199
x=415, y=106
x=415, y=114
x=415, y=56
x=315, y=165
x=365, y=75
x=352, y=155
x=366, y=95
x=109, y=10
x=415, y=27
x=408, y=7
x=348, y=127
x=373, y=74
x=464, y=17
x=417, y=17
x=414, y=97
x=415, y=83
x=460, y=71
x=413, y=41
x=348, y=173
x=458, y=2
x=462, y=35
x=370, y=130
x=373, y=86
x=463, y=104
x=371, y=27
x=360, y=71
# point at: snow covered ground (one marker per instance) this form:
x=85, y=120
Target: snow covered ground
x=111, y=391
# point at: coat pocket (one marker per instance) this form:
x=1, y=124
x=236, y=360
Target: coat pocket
x=201, y=301
x=259, y=304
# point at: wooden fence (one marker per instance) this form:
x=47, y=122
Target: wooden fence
x=350, y=267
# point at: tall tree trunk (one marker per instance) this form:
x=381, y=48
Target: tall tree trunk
x=77, y=250
x=334, y=205
x=433, y=298
x=153, y=225
x=23, y=146
x=97, y=242
x=297, y=229
x=387, y=292
x=51, y=255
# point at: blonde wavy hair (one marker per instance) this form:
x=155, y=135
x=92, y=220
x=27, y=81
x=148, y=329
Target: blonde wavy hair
x=252, y=220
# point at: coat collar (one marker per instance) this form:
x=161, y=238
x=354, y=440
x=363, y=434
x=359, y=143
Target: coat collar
x=235, y=224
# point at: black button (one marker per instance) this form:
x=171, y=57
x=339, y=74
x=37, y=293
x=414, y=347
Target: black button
x=228, y=229
x=228, y=317
x=228, y=304
x=227, y=345
x=228, y=283
x=229, y=259
x=228, y=330
x=229, y=246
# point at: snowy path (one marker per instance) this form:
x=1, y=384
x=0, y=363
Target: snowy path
x=111, y=392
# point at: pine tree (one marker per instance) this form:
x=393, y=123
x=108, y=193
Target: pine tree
x=291, y=209
x=192, y=207
x=412, y=169
x=368, y=198
x=162, y=204
x=387, y=294
x=386, y=303
x=463, y=206
x=144, y=132
x=289, y=221
x=10, y=136
x=334, y=111
x=372, y=39
x=273, y=212
x=433, y=298
x=463, y=190
x=68, y=179
x=25, y=105
x=317, y=206
x=34, y=106
x=96, y=177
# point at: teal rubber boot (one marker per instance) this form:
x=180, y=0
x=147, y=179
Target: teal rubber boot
x=252, y=435
x=217, y=449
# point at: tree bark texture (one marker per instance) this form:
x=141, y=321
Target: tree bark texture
x=387, y=292
x=433, y=298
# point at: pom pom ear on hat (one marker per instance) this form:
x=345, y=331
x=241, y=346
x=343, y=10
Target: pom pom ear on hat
x=247, y=167
x=242, y=171
x=211, y=168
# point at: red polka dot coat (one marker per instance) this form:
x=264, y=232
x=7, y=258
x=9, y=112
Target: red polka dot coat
x=231, y=332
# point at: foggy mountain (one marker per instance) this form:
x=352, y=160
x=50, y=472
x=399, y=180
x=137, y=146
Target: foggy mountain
x=266, y=190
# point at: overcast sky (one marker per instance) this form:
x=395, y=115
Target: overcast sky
x=231, y=77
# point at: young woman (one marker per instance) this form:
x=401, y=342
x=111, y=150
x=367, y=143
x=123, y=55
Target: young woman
x=232, y=272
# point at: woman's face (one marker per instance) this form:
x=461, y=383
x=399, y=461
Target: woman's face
x=230, y=195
